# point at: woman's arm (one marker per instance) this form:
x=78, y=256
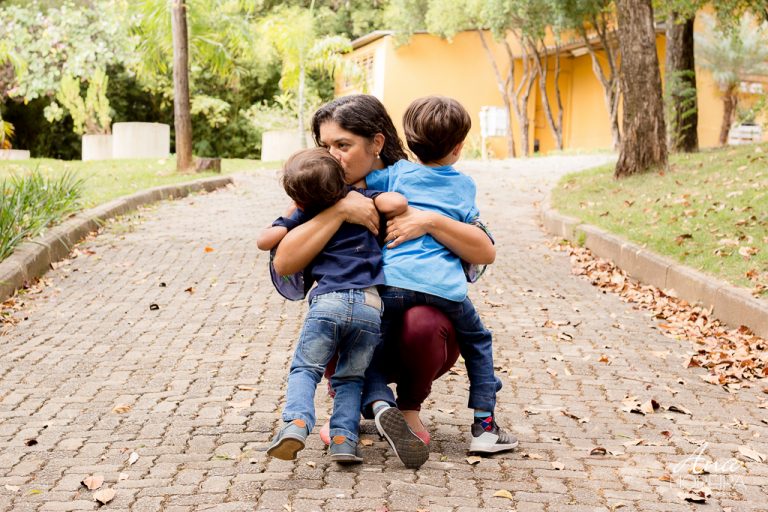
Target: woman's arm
x=303, y=243
x=468, y=242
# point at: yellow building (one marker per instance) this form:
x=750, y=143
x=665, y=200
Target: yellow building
x=460, y=68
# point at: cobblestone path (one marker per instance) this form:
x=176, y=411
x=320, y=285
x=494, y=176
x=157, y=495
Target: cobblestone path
x=163, y=338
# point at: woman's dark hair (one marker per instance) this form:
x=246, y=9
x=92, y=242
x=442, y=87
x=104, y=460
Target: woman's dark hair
x=313, y=179
x=365, y=116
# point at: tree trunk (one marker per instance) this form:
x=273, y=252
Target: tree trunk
x=300, y=101
x=681, y=85
x=610, y=83
x=644, y=142
x=542, y=62
x=521, y=93
x=182, y=118
x=503, y=91
x=730, y=102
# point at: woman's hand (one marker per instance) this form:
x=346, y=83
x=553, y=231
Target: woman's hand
x=407, y=226
x=358, y=209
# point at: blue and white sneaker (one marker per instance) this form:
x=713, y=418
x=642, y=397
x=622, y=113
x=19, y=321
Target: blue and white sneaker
x=488, y=437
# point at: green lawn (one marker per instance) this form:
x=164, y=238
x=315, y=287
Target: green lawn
x=708, y=211
x=105, y=180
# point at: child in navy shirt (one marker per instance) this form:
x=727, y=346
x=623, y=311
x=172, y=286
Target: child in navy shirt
x=344, y=308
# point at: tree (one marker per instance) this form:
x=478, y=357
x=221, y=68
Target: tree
x=535, y=17
x=730, y=55
x=449, y=17
x=591, y=18
x=90, y=115
x=60, y=41
x=294, y=35
x=8, y=56
x=213, y=38
x=182, y=117
x=643, y=146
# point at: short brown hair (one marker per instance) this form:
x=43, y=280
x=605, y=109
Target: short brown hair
x=313, y=179
x=434, y=125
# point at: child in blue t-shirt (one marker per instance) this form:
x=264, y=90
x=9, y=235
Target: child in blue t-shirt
x=344, y=308
x=423, y=271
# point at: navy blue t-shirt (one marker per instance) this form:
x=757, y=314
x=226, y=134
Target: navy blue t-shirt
x=350, y=260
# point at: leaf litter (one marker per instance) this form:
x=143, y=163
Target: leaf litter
x=732, y=356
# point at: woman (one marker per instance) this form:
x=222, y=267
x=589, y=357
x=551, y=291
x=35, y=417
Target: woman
x=359, y=133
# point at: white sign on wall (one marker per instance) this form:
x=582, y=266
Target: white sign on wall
x=494, y=122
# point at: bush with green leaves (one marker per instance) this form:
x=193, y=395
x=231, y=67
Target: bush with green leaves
x=31, y=202
x=90, y=114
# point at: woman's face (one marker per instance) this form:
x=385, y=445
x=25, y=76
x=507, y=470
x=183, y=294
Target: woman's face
x=357, y=155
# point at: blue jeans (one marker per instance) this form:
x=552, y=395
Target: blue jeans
x=474, y=340
x=349, y=322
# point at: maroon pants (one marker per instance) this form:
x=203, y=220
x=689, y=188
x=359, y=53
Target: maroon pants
x=417, y=352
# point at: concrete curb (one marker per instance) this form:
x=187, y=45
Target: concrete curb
x=33, y=258
x=730, y=304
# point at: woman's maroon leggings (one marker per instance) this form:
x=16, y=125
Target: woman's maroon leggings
x=417, y=353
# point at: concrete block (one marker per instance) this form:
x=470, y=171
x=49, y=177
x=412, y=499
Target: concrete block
x=650, y=268
x=141, y=140
x=558, y=224
x=692, y=286
x=11, y=277
x=601, y=243
x=96, y=147
x=34, y=258
x=737, y=307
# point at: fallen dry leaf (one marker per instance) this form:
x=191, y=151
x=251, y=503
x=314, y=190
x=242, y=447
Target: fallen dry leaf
x=122, y=408
x=752, y=454
x=366, y=442
x=650, y=407
x=209, y=249
x=311, y=463
x=696, y=495
x=730, y=355
x=104, y=496
x=246, y=388
x=190, y=290
x=679, y=409
x=93, y=482
x=473, y=459
x=598, y=450
x=503, y=493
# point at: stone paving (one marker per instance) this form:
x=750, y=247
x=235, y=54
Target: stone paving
x=193, y=386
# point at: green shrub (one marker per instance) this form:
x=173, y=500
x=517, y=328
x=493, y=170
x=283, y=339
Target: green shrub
x=31, y=202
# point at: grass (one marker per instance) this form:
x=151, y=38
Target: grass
x=31, y=201
x=38, y=193
x=104, y=180
x=709, y=210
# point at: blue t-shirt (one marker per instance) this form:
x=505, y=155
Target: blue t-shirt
x=350, y=260
x=424, y=264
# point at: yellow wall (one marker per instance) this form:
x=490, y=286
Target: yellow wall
x=460, y=69
x=467, y=76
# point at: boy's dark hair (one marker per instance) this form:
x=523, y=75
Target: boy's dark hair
x=313, y=179
x=365, y=116
x=434, y=125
